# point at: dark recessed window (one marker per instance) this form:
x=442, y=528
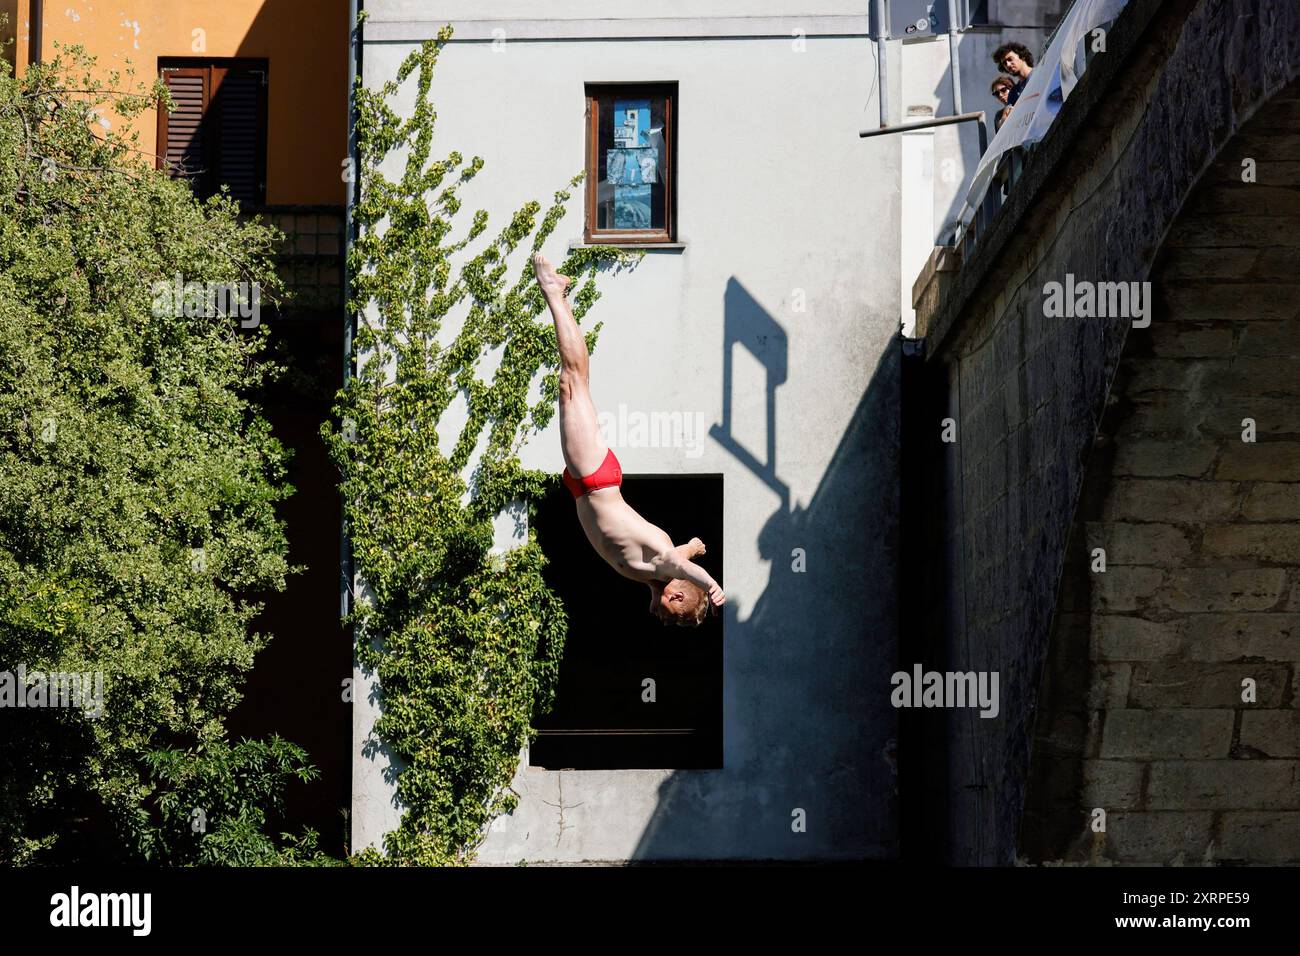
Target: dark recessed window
x=631, y=168
x=216, y=136
x=602, y=718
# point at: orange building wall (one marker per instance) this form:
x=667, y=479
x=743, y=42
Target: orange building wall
x=305, y=43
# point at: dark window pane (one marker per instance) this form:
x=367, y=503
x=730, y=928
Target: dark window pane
x=601, y=719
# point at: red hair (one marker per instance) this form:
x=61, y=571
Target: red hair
x=692, y=611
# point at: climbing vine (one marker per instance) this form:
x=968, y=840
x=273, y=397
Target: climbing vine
x=465, y=643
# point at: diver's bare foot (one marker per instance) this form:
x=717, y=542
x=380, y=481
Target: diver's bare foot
x=552, y=282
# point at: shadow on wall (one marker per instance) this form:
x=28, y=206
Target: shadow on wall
x=807, y=719
x=747, y=323
x=295, y=688
x=306, y=44
x=275, y=130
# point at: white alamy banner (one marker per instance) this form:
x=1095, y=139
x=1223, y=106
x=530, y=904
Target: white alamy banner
x=1093, y=13
x=1052, y=80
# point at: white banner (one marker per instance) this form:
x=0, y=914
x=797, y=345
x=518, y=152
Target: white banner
x=1093, y=15
x=1052, y=80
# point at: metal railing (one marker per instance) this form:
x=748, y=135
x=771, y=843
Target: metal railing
x=970, y=228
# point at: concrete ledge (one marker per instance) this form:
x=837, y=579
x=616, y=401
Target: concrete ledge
x=933, y=283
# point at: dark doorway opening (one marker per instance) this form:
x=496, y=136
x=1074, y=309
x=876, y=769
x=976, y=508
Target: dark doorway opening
x=601, y=719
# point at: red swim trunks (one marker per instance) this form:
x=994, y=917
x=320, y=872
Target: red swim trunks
x=608, y=475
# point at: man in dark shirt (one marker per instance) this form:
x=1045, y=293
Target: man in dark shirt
x=1015, y=60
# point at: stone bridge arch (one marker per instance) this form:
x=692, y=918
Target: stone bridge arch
x=1138, y=180
x=1193, y=493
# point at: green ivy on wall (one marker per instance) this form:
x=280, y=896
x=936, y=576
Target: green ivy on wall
x=465, y=643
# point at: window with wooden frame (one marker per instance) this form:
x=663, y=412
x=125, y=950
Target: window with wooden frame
x=216, y=136
x=631, y=163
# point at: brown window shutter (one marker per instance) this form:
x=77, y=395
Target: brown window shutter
x=181, y=131
x=240, y=154
x=217, y=134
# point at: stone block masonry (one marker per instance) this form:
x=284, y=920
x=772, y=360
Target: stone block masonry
x=1125, y=689
x=1196, y=503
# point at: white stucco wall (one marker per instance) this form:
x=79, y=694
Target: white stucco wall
x=778, y=202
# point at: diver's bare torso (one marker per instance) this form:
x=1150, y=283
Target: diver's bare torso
x=621, y=536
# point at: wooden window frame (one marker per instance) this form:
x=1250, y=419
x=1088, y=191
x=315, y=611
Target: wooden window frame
x=217, y=68
x=592, y=235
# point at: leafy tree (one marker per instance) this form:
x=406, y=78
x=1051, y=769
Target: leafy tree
x=137, y=489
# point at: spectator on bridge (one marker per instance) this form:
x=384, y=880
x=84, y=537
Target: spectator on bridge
x=1015, y=60
x=1001, y=90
